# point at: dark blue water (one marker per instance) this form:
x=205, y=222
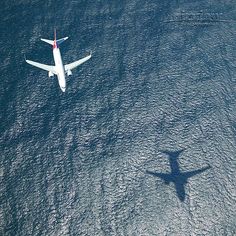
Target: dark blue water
x=162, y=79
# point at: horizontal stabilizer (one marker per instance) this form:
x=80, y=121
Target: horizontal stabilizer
x=48, y=41
x=59, y=41
x=77, y=63
x=42, y=66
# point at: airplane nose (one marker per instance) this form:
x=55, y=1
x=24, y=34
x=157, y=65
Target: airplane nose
x=63, y=89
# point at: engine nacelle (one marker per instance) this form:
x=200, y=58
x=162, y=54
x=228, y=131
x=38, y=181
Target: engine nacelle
x=69, y=73
x=50, y=74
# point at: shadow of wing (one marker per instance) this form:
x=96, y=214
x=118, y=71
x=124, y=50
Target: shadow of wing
x=166, y=177
x=189, y=174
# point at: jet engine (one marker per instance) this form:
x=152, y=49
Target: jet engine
x=50, y=74
x=69, y=73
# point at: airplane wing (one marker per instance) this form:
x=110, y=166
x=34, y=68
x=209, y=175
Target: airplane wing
x=77, y=63
x=189, y=174
x=42, y=66
x=166, y=177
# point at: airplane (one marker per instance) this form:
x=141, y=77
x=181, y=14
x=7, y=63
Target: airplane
x=58, y=69
x=179, y=179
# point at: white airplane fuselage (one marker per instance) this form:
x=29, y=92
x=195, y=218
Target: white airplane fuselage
x=59, y=68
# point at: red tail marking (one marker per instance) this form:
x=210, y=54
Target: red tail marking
x=55, y=39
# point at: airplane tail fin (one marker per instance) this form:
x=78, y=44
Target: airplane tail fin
x=58, y=41
x=51, y=41
x=55, y=34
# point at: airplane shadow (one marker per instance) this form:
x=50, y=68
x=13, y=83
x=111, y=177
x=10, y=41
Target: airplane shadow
x=180, y=179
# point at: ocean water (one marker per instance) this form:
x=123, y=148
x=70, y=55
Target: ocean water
x=161, y=80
